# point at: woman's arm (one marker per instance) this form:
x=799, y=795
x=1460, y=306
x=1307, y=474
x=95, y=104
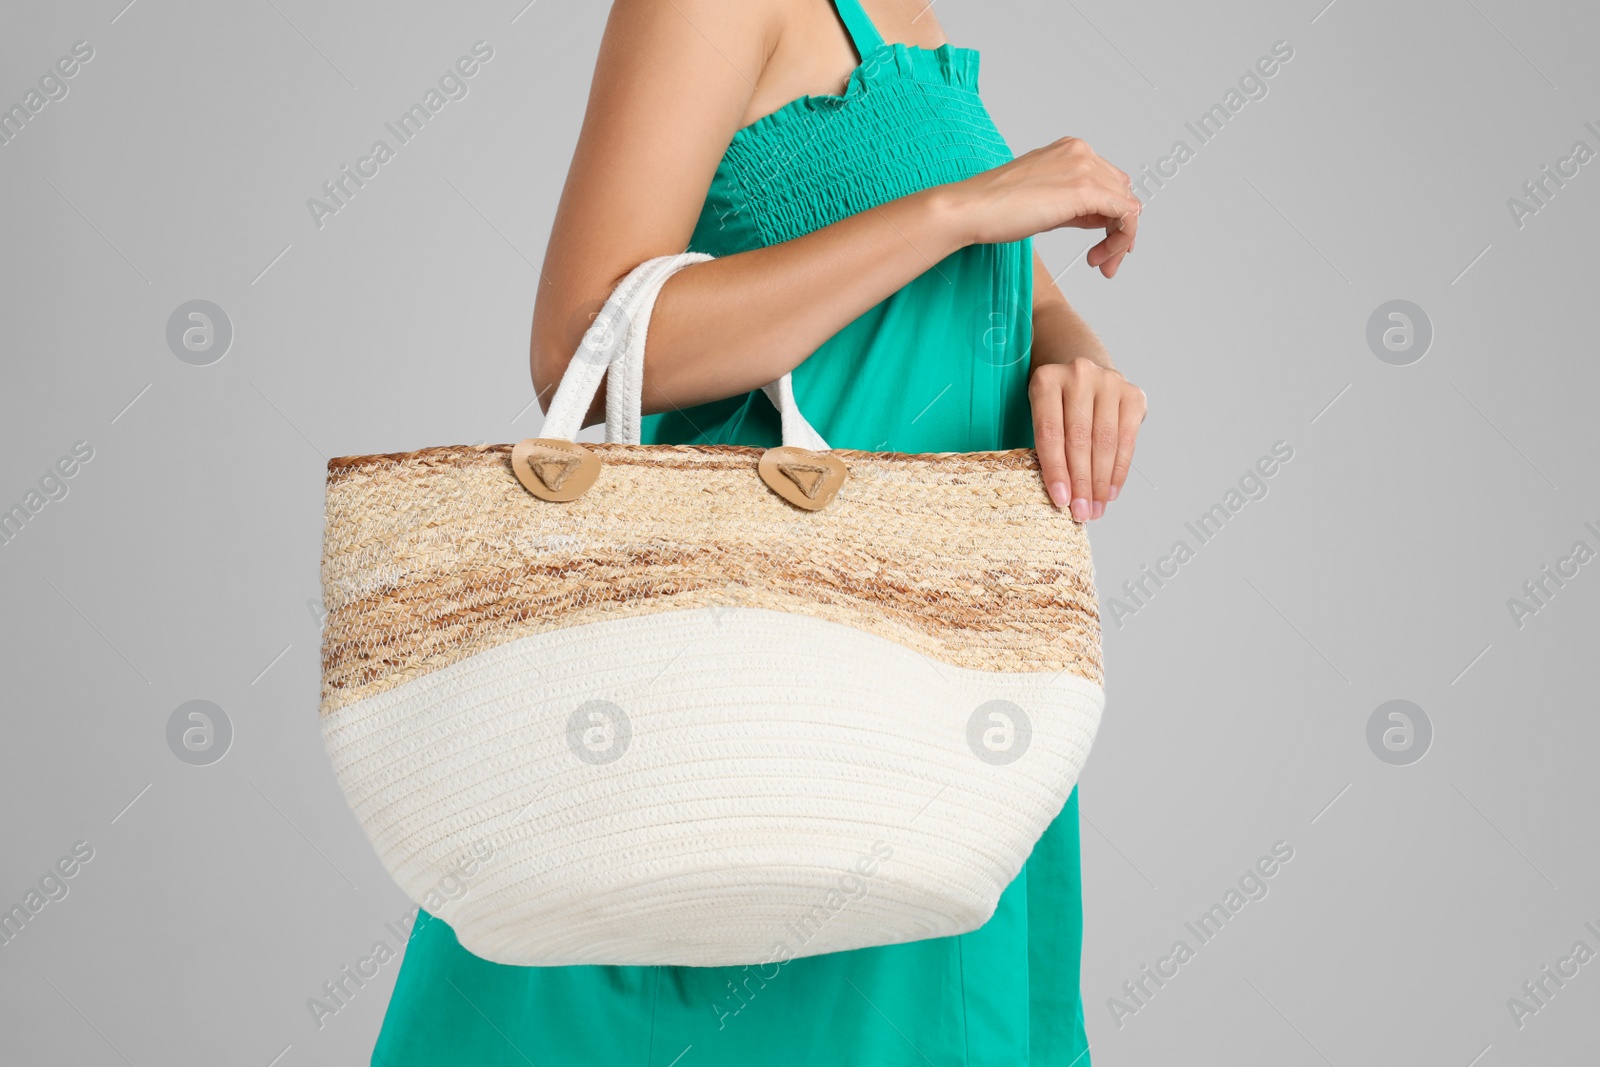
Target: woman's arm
x=1086, y=415
x=673, y=82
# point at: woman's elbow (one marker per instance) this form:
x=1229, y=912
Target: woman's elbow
x=546, y=363
x=545, y=378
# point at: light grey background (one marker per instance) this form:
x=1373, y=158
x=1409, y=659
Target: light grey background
x=182, y=563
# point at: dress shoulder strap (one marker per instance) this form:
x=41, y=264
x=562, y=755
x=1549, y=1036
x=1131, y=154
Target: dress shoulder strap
x=863, y=33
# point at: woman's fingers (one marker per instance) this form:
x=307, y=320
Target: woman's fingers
x=1085, y=421
x=1049, y=433
x=1062, y=184
x=1130, y=413
x=1063, y=425
x=1120, y=234
x=1107, y=402
x=1106, y=262
x=1078, y=413
x=1102, y=202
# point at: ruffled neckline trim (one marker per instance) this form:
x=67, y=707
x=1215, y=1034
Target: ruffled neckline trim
x=891, y=61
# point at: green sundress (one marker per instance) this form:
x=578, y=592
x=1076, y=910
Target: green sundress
x=941, y=365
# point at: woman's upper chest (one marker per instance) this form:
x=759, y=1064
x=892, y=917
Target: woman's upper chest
x=908, y=118
x=822, y=41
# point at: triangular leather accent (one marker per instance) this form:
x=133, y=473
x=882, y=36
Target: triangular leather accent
x=553, y=471
x=808, y=476
x=806, y=479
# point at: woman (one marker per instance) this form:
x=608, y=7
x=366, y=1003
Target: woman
x=873, y=235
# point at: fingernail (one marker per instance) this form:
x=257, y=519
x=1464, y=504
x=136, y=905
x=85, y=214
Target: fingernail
x=1058, y=494
x=1080, y=509
x=1115, y=489
x=1099, y=509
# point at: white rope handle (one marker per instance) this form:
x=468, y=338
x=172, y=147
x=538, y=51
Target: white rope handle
x=613, y=350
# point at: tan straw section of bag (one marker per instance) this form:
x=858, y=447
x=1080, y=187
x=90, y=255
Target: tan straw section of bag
x=432, y=556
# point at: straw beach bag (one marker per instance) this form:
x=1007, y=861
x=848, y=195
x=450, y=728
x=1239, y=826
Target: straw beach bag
x=701, y=704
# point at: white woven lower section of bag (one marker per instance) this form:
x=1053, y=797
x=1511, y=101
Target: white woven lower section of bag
x=709, y=787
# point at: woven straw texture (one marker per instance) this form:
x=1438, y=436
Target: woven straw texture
x=434, y=556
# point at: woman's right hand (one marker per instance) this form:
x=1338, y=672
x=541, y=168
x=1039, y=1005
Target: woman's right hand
x=1062, y=184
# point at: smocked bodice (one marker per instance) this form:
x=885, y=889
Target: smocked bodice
x=940, y=364
x=908, y=118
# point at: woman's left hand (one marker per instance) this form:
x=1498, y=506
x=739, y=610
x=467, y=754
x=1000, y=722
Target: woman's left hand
x=1085, y=420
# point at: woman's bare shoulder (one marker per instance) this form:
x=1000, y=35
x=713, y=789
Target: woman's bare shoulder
x=717, y=23
x=762, y=52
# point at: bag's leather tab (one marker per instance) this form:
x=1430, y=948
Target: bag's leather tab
x=804, y=478
x=553, y=469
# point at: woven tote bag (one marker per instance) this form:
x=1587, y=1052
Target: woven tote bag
x=702, y=704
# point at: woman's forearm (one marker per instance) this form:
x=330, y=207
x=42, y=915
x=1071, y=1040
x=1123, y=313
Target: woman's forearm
x=1059, y=332
x=733, y=324
x=665, y=101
